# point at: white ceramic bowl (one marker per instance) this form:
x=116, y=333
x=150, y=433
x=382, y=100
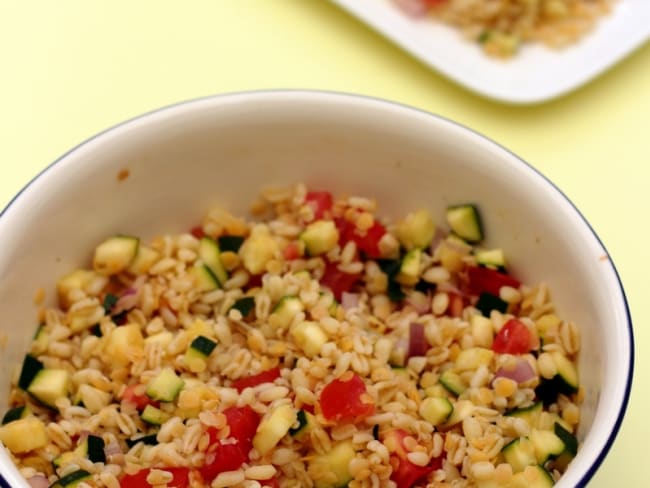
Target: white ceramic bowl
x=221, y=150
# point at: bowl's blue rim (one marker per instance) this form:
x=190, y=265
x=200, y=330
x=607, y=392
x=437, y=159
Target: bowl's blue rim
x=594, y=467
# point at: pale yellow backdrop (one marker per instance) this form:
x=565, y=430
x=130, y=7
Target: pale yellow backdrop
x=69, y=69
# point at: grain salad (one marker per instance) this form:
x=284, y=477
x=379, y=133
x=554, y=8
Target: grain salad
x=316, y=345
x=502, y=26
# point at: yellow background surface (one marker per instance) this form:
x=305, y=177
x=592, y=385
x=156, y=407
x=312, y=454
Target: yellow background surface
x=69, y=69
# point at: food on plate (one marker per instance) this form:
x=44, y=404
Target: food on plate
x=315, y=345
x=502, y=26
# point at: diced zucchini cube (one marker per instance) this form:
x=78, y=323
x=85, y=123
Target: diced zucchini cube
x=211, y=256
x=465, y=222
x=416, y=230
x=258, y=250
x=335, y=461
x=204, y=278
x=473, y=358
x=409, y=272
x=144, y=260
x=24, y=435
x=482, y=330
x=49, y=385
x=93, y=398
x=273, y=428
x=154, y=416
x=320, y=237
x=436, y=410
x=76, y=280
x=165, y=386
x=309, y=336
x=520, y=453
x=115, y=254
x=124, y=344
x=284, y=312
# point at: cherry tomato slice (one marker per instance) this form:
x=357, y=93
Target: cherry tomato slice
x=513, y=338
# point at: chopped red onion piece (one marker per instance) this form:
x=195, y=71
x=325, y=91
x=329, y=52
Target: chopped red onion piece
x=521, y=373
x=349, y=300
x=418, y=345
x=449, y=287
x=38, y=481
x=421, y=302
x=111, y=449
x=438, y=236
x=414, y=8
x=129, y=297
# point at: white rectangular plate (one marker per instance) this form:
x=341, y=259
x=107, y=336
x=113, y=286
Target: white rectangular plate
x=534, y=75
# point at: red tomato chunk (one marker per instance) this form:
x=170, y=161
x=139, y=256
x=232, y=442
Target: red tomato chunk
x=405, y=474
x=513, y=338
x=345, y=398
x=367, y=243
x=181, y=478
x=267, y=376
x=133, y=396
x=227, y=456
x=320, y=202
x=486, y=280
x=197, y=231
x=291, y=251
x=338, y=281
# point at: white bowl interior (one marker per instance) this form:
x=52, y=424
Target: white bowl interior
x=221, y=151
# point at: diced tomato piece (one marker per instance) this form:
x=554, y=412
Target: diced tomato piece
x=243, y=423
x=406, y=474
x=291, y=251
x=181, y=478
x=513, y=338
x=308, y=408
x=320, y=202
x=140, y=400
x=338, y=281
x=367, y=243
x=345, y=398
x=267, y=376
x=486, y=280
x=225, y=457
x=197, y=231
x=220, y=457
